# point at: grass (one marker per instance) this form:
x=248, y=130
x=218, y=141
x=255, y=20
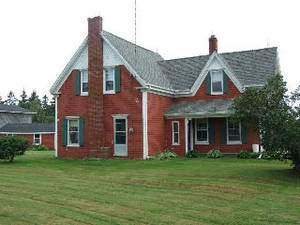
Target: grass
x=39, y=189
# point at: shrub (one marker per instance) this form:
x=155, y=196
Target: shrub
x=193, y=154
x=254, y=155
x=214, y=154
x=39, y=148
x=166, y=155
x=275, y=155
x=243, y=155
x=11, y=146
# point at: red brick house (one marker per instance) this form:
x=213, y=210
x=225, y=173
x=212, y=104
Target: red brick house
x=117, y=99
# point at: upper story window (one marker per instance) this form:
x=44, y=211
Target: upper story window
x=37, y=139
x=217, y=82
x=201, y=131
x=84, y=82
x=233, y=132
x=109, y=81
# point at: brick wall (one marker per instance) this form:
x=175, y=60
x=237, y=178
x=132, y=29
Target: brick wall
x=157, y=105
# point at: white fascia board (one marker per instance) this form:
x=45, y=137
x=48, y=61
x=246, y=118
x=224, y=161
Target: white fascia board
x=205, y=70
x=17, y=112
x=127, y=65
x=67, y=70
x=197, y=115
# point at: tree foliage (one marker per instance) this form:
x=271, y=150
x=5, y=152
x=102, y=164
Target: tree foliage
x=271, y=111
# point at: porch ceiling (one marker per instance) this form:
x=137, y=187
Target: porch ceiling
x=203, y=108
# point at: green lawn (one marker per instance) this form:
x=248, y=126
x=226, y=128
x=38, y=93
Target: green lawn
x=38, y=189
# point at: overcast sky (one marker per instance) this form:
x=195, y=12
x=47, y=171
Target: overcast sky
x=39, y=37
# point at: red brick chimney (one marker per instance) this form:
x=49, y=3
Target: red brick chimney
x=95, y=99
x=213, y=44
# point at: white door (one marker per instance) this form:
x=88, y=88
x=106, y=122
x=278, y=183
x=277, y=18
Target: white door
x=120, y=136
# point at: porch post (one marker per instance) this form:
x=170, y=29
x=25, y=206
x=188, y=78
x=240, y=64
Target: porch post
x=186, y=123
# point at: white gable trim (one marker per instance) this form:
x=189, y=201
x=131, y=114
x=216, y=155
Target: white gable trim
x=67, y=70
x=206, y=68
x=127, y=65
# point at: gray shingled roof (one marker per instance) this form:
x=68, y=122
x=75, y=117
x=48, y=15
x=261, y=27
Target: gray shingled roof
x=28, y=128
x=13, y=108
x=205, y=108
x=144, y=62
x=252, y=68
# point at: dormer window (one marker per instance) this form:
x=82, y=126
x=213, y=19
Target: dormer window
x=216, y=82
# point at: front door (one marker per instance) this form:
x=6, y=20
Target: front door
x=120, y=136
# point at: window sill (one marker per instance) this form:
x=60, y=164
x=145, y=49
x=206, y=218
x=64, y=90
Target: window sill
x=201, y=143
x=84, y=94
x=73, y=145
x=216, y=93
x=175, y=144
x=109, y=92
x=234, y=142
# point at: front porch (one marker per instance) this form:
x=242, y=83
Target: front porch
x=205, y=125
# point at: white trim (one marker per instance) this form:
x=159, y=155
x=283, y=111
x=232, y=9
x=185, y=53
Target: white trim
x=68, y=136
x=119, y=115
x=205, y=71
x=211, y=83
x=33, y=143
x=207, y=140
x=191, y=136
x=173, y=133
x=113, y=91
x=145, y=124
x=67, y=70
x=83, y=93
x=234, y=142
x=27, y=133
x=127, y=65
x=195, y=115
x=186, y=122
x=125, y=117
x=17, y=112
x=56, y=121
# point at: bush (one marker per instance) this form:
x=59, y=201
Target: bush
x=193, y=154
x=275, y=155
x=166, y=155
x=214, y=154
x=243, y=155
x=11, y=146
x=254, y=155
x=39, y=148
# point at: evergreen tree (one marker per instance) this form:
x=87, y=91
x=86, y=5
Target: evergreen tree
x=11, y=99
x=24, y=100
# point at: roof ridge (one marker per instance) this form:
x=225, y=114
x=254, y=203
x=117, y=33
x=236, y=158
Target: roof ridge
x=251, y=50
x=132, y=43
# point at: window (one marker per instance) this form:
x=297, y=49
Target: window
x=37, y=139
x=216, y=82
x=201, y=131
x=233, y=132
x=73, y=132
x=175, y=132
x=109, y=81
x=84, y=82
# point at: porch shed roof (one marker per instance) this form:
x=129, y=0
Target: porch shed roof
x=203, y=108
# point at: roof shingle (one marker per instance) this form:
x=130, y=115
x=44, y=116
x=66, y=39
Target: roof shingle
x=28, y=128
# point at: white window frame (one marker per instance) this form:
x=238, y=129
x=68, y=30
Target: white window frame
x=211, y=82
x=113, y=91
x=68, y=136
x=240, y=130
x=173, y=133
x=39, y=138
x=196, y=140
x=83, y=93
